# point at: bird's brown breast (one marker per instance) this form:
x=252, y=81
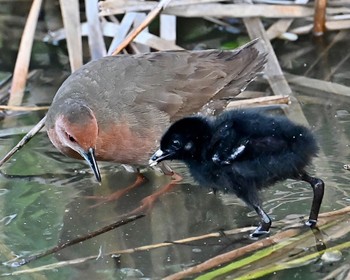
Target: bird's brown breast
x=120, y=143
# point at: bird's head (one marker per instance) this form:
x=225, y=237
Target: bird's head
x=75, y=133
x=184, y=140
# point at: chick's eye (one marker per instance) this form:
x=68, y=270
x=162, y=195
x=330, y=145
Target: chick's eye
x=176, y=144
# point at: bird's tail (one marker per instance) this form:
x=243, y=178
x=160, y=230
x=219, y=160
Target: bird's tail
x=303, y=149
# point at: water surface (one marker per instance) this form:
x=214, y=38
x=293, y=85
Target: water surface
x=44, y=201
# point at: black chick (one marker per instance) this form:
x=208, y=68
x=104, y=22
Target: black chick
x=243, y=151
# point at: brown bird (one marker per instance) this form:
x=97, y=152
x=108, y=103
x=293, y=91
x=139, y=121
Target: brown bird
x=117, y=108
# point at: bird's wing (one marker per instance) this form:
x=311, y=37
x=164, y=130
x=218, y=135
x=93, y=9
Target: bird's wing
x=267, y=144
x=181, y=83
x=226, y=154
x=173, y=83
x=246, y=149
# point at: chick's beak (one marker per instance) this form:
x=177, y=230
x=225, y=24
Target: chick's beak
x=158, y=156
x=89, y=156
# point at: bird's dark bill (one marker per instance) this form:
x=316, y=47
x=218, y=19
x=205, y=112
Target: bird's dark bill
x=159, y=156
x=91, y=160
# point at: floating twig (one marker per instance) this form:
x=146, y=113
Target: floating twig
x=232, y=255
x=274, y=267
x=24, y=140
x=59, y=247
x=323, y=219
x=129, y=251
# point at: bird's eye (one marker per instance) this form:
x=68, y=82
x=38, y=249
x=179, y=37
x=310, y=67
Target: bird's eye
x=176, y=144
x=71, y=138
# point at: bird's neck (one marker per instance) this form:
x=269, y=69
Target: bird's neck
x=200, y=153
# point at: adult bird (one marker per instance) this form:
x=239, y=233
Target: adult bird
x=242, y=152
x=116, y=108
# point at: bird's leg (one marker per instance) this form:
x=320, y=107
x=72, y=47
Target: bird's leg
x=265, y=223
x=140, y=179
x=147, y=202
x=318, y=189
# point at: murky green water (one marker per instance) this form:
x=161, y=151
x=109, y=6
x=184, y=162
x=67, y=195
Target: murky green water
x=44, y=201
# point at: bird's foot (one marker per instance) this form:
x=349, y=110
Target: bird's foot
x=311, y=223
x=258, y=233
x=118, y=194
x=148, y=202
x=261, y=230
x=146, y=205
x=105, y=199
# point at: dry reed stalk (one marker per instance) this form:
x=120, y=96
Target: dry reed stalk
x=266, y=100
x=337, y=24
x=150, y=17
x=137, y=48
x=95, y=37
x=24, y=140
x=126, y=6
x=71, y=21
x=229, y=10
x=319, y=85
x=23, y=108
x=23, y=58
x=324, y=219
x=168, y=28
x=19, y=262
x=232, y=255
x=122, y=30
x=278, y=28
x=320, y=17
x=273, y=70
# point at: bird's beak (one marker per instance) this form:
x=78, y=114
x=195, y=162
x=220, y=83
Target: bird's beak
x=159, y=156
x=89, y=156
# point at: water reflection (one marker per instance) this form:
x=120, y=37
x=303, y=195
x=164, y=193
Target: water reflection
x=52, y=207
x=44, y=201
